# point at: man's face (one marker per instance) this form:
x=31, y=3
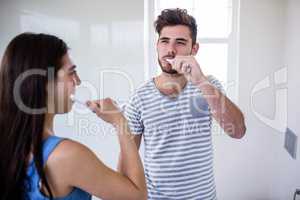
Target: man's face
x=174, y=40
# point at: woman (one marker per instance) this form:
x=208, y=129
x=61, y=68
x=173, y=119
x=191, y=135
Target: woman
x=37, y=78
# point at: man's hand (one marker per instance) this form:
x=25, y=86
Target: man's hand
x=231, y=119
x=188, y=66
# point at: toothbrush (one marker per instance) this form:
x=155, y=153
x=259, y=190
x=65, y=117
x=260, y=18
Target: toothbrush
x=169, y=60
x=74, y=99
x=121, y=107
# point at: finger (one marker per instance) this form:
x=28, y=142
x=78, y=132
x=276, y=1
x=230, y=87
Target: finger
x=183, y=67
x=186, y=68
x=95, y=107
x=114, y=102
x=88, y=103
x=178, y=65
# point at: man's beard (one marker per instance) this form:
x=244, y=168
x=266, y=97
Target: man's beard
x=168, y=71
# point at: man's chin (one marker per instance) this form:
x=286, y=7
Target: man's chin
x=171, y=71
x=168, y=69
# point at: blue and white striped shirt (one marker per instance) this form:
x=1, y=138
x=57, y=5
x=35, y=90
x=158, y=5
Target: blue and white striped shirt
x=177, y=136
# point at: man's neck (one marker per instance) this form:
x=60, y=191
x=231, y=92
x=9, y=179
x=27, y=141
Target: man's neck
x=170, y=84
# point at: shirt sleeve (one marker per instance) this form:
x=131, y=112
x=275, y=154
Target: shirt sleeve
x=215, y=82
x=133, y=115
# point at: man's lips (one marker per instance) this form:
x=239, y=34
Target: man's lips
x=167, y=59
x=170, y=60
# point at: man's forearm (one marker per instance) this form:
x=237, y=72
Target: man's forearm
x=226, y=113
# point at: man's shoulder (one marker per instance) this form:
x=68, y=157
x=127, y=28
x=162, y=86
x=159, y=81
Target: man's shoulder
x=211, y=79
x=144, y=88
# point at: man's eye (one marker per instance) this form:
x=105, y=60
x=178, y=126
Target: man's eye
x=164, y=41
x=181, y=43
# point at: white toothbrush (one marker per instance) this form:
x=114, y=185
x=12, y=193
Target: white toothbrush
x=169, y=60
x=74, y=99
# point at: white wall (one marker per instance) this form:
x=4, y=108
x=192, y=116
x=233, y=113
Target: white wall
x=258, y=167
x=287, y=170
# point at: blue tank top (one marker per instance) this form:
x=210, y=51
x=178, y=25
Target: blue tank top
x=33, y=188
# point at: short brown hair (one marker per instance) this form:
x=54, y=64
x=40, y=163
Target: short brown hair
x=177, y=16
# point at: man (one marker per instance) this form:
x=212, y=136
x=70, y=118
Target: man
x=173, y=112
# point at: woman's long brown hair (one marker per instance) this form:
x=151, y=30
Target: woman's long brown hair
x=21, y=132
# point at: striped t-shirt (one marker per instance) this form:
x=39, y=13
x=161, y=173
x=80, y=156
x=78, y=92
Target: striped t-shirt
x=178, y=157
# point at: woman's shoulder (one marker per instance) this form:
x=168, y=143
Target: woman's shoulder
x=64, y=156
x=66, y=164
x=68, y=151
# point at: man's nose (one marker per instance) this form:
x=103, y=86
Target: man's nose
x=77, y=80
x=172, y=49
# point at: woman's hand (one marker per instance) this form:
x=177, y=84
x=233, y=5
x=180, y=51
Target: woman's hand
x=107, y=110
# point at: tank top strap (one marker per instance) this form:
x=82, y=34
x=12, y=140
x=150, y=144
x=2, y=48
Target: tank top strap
x=49, y=144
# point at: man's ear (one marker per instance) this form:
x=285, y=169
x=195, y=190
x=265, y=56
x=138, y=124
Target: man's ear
x=156, y=44
x=195, y=49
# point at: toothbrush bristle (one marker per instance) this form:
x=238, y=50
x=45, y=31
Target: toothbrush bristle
x=169, y=60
